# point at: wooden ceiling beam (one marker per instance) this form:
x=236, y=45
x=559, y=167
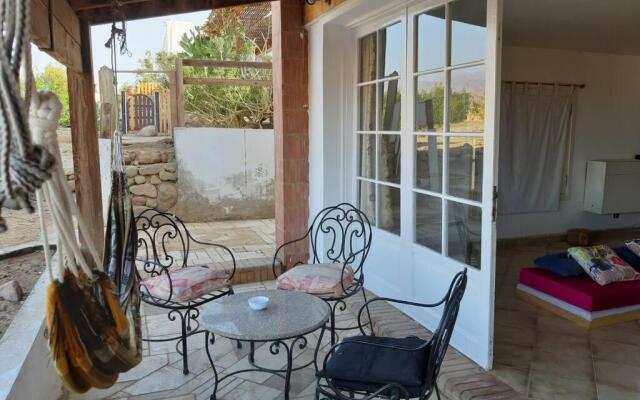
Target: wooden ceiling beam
x=80, y=5
x=138, y=9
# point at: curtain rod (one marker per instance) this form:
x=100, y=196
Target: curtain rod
x=578, y=85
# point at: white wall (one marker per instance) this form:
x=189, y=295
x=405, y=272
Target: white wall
x=225, y=173
x=607, y=126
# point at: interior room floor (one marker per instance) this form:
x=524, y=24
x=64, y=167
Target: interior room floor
x=548, y=357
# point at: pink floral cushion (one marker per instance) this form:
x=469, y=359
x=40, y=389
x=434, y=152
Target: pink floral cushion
x=188, y=283
x=319, y=279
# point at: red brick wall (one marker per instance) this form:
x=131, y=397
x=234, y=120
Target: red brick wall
x=291, y=123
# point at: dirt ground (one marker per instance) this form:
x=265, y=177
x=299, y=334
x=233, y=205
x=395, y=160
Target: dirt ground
x=26, y=270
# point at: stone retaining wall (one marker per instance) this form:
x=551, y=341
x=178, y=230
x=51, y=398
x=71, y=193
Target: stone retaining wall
x=151, y=172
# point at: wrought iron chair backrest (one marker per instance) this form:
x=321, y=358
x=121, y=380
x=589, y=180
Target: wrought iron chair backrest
x=442, y=335
x=163, y=239
x=341, y=234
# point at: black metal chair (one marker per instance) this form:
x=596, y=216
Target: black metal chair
x=340, y=239
x=160, y=236
x=391, y=368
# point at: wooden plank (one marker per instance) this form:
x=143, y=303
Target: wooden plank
x=40, y=32
x=173, y=104
x=179, y=93
x=84, y=138
x=225, y=64
x=65, y=15
x=227, y=82
x=108, y=103
x=58, y=39
x=154, y=8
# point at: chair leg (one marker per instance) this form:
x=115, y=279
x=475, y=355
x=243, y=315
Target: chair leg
x=364, y=295
x=185, y=355
x=333, y=326
x=437, y=391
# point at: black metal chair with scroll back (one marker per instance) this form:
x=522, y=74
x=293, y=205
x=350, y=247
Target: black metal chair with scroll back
x=169, y=280
x=340, y=239
x=391, y=368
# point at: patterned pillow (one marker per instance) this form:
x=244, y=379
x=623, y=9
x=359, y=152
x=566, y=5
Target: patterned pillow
x=633, y=245
x=321, y=280
x=602, y=264
x=188, y=283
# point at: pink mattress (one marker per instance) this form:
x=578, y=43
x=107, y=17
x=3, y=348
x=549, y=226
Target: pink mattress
x=581, y=291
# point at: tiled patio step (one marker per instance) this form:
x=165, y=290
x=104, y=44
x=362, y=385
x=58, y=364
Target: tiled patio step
x=460, y=378
x=254, y=270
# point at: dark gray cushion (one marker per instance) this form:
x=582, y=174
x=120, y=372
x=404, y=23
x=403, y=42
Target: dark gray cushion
x=359, y=366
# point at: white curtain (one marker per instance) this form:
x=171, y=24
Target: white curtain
x=535, y=129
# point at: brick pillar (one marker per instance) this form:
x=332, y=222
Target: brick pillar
x=291, y=124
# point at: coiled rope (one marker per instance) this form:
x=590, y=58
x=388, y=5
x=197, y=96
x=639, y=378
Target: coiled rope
x=24, y=167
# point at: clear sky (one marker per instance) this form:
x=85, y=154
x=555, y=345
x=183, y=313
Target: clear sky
x=142, y=35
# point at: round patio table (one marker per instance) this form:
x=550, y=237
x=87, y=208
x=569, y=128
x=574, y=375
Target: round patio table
x=288, y=317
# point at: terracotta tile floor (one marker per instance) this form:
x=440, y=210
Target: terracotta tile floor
x=548, y=357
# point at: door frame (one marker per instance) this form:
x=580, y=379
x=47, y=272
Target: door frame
x=348, y=20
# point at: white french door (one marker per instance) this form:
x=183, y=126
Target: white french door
x=425, y=154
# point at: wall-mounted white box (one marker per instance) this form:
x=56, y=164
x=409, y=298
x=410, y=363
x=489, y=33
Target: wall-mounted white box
x=612, y=187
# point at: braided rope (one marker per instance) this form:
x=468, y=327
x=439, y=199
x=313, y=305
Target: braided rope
x=44, y=117
x=24, y=167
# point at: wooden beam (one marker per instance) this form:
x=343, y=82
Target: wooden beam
x=154, y=8
x=84, y=138
x=79, y=5
x=225, y=64
x=179, y=92
x=226, y=82
x=55, y=29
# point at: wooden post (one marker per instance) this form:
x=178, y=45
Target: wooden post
x=84, y=136
x=173, y=103
x=179, y=93
x=108, y=103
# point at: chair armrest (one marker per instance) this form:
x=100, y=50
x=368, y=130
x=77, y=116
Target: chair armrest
x=282, y=246
x=402, y=391
x=391, y=300
x=459, y=275
x=225, y=248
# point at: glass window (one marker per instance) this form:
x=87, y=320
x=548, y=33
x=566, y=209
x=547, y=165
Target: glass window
x=468, y=31
x=465, y=232
x=429, y=103
x=367, y=199
x=389, y=160
x=466, y=102
x=389, y=209
x=390, y=108
x=465, y=167
x=367, y=108
x=429, y=221
x=367, y=154
x=390, y=50
x=368, y=50
x=429, y=151
x=431, y=39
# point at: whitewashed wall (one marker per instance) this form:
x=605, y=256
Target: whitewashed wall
x=224, y=173
x=607, y=126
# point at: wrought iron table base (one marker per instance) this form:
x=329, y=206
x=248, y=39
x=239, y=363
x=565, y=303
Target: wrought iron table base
x=274, y=349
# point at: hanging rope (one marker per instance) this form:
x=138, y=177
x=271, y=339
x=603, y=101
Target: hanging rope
x=24, y=167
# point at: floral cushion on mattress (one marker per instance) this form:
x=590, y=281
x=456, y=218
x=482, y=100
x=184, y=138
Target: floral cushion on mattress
x=319, y=279
x=188, y=283
x=633, y=245
x=603, y=265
